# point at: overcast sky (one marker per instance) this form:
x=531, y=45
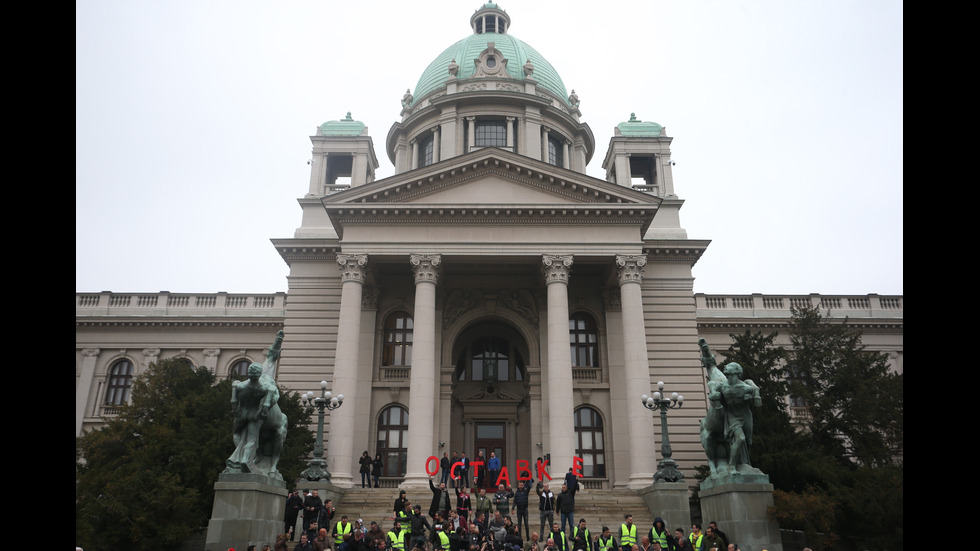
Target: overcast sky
x=192, y=125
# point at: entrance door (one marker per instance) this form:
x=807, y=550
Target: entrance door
x=490, y=438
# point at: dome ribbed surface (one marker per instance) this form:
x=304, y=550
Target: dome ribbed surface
x=515, y=51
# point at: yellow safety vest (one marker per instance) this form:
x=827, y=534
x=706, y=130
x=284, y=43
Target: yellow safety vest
x=603, y=545
x=397, y=540
x=627, y=536
x=341, y=531
x=662, y=538
x=696, y=544
x=443, y=540
x=588, y=537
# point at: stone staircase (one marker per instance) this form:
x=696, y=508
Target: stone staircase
x=597, y=507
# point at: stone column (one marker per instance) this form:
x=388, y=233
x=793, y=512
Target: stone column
x=435, y=144
x=470, y=133
x=415, y=153
x=84, y=385
x=340, y=451
x=510, y=134
x=642, y=446
x=561, y=424
x=564, y=154
x=422, y=392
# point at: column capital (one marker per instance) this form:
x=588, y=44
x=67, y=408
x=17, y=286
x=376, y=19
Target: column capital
x=630, y=267
x=90, y=352
x=556, y=267
x=352, y=267
x=426, y=267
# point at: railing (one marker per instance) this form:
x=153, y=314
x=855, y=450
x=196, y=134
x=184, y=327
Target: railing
x=164, y=303
x=396, y=373
x=110, y=410
x=593, y=483
x=586, y=374
x=390, y=481
x=775, y=306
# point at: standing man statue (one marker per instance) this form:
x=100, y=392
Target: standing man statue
x=260, y=426
x=726, y=430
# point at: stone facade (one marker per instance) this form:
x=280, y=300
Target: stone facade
x=490, y=291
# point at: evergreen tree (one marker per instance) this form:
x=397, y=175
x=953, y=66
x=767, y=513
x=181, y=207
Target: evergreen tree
x=855, y=404
x=146, y=479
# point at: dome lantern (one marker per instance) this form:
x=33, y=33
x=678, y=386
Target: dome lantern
x=490, y=19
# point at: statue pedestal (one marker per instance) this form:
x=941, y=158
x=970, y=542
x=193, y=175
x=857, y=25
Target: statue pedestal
x=248, y=509
x=670, y=501
x=739, y=508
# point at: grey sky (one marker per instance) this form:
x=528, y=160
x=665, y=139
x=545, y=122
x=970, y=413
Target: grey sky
x=193, y=122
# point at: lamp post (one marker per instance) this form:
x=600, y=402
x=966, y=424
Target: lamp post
x=667, y=468
x=317, y=468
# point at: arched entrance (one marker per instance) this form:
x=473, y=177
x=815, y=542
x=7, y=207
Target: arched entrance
x=490, y=401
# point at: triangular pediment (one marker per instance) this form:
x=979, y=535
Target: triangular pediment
x=491, y=183
x=508, y=177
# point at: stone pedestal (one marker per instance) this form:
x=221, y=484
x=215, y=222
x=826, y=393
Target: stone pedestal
x=670, y=501
x=248, y=509
x=740, y=511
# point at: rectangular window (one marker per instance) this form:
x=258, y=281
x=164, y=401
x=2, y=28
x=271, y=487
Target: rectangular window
x=425, y=151
x=555, y=152
x=491, y=133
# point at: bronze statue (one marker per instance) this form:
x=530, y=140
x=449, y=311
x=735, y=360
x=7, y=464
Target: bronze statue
x=726, y=430
x=260, y=426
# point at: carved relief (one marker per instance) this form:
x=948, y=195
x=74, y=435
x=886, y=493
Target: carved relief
x=522, y=302
x=369, y=298
x=612, y=300
x=459, y=302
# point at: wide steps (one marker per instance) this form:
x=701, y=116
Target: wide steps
x=598, y=507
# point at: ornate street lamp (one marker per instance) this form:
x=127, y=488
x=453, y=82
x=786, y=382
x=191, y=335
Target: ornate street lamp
x=317, y=468
x=667, y=468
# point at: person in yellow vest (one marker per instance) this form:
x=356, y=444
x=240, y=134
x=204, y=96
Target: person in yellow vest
x=627, y=533
x=396, y=537
x=605, y=541
x=443, y=538
x=561, y=541
x=581, y=538
x=341, y=534
x=659, y=533
x=696, y=537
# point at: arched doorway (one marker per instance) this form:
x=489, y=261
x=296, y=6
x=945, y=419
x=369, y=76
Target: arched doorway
x=490, y=403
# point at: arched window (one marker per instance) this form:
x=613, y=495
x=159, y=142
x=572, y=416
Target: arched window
x=239, y=371
x=393, y=440
x=590, y=444
x=397, y=340
x=120, y=383
x=584, y=338
x=492, y=358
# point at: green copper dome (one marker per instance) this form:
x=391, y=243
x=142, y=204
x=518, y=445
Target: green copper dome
x=636, y=128
x=343, y=127
x=464, y=52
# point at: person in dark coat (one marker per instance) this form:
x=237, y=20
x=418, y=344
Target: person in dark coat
x=366, y=464
x=440, y=500
x=294, y=504
x=376, y=467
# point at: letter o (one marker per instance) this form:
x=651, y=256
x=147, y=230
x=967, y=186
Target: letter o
x=431, y=458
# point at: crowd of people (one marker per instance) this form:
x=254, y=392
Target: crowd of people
x=478, y=521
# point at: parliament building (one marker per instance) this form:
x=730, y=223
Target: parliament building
x=489, y=296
